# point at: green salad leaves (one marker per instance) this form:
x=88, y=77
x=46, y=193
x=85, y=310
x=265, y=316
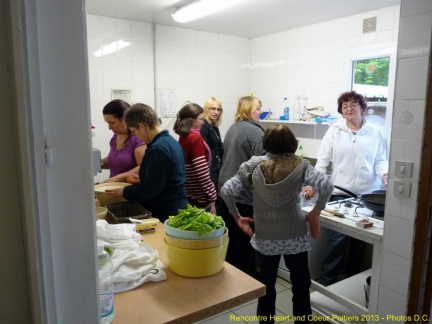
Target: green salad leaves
x=196, y=219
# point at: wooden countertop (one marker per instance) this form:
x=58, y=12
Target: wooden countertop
x=184, y=300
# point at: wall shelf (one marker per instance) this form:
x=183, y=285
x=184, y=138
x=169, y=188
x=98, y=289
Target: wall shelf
x=278, y=121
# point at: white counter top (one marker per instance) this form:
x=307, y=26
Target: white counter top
x=341, y=298
x=348, y=226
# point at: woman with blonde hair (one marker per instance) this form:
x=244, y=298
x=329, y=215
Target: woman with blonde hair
x=242, y=141
x=210, y=132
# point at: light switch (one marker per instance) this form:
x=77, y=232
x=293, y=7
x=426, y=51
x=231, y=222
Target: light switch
x=402, y=189
x=403, y=169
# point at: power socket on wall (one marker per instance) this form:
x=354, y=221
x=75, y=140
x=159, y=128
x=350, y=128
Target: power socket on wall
x=402, y=189
x=403, y=169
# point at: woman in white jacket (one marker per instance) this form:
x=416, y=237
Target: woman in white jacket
x=358, y=154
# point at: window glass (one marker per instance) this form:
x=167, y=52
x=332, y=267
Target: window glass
x=370, y=78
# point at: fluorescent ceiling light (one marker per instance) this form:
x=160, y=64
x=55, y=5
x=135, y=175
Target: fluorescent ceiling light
x=201, y=8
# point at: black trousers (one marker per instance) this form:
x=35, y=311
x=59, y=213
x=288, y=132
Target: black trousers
x=240, y=252
x=338, y=246
x=298, y=267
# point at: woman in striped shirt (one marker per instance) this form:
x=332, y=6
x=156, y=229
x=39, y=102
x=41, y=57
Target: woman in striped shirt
x=200, y=189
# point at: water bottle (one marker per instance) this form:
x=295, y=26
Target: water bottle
x=286, y=109
x=297, y=108
x=300, y=151
x=106, y=287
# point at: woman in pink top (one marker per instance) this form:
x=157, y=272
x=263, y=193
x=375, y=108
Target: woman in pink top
x=126, y=150
x=200, y=189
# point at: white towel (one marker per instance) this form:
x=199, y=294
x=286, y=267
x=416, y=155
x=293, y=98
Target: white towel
x=133, y=263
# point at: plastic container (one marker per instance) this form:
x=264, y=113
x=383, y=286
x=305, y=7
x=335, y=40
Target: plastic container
x=300, y=151
x=297, y=108
x=103, y=197
x=106, y=286
x=101, y=212
x=196, y=263
x=191, y=235
x=286, y=112
x=122, y=211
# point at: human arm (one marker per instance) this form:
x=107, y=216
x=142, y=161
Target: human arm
x=104, y=163
x=321, y=183
x=325, y=152
x=153, y=175
x=380, y=161
x=324, y=157
x=233, y=188
x=229, y=191
x=313, y=219
x=211, y=207
x=256, y=142
x=122, y=177
x=205, y=131
x=197, y=152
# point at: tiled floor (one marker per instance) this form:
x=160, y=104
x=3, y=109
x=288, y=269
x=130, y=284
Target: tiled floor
x=283, y=306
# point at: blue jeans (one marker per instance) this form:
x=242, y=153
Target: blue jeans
x=298, y=267
x=335, y=258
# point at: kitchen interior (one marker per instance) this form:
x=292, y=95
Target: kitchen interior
x=166, y=64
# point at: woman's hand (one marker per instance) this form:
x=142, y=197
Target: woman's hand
x=245, y=224
x=212, y=207
x=133, y=179
x=308, y=192
x=313, y=219
x=385, y=179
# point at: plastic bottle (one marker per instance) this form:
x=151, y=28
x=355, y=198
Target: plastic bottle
x=286, y=114
x=300, y=151
x=106, y=287
x=297, y=108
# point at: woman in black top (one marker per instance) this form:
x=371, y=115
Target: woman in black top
x=210, y=132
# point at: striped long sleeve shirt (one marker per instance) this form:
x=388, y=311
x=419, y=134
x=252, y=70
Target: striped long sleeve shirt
x=197, y=159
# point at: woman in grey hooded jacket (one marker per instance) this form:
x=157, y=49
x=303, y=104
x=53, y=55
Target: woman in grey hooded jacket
x=280, y=225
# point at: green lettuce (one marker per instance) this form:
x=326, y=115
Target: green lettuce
x=196, y=219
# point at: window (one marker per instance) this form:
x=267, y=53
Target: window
x=370, y=77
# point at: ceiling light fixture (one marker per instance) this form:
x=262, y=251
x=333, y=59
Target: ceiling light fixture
x=201, y=8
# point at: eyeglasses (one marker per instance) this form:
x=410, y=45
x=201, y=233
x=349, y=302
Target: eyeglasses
x=351, y=105
x=215, y=109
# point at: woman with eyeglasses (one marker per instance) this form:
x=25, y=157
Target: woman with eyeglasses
x=210, y=132
x=358, y=154
x=200, y=189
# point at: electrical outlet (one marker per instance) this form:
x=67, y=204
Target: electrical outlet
x=403, y=169
x=402, y=189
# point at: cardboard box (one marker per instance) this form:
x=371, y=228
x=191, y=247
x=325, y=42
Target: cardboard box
x=364, y=223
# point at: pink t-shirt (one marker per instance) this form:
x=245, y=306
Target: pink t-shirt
x=122, y=160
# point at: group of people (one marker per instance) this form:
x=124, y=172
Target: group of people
x=254, y=181
x=169, y=174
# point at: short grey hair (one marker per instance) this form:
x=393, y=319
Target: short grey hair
x=141, y=113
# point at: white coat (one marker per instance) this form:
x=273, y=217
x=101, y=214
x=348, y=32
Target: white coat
x=358, y=161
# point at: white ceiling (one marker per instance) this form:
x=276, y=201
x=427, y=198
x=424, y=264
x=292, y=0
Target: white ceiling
x=249, y=19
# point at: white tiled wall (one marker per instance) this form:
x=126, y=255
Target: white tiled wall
x=312, y=60
x=193, y=65
x=315, y=60
x=410, y=98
